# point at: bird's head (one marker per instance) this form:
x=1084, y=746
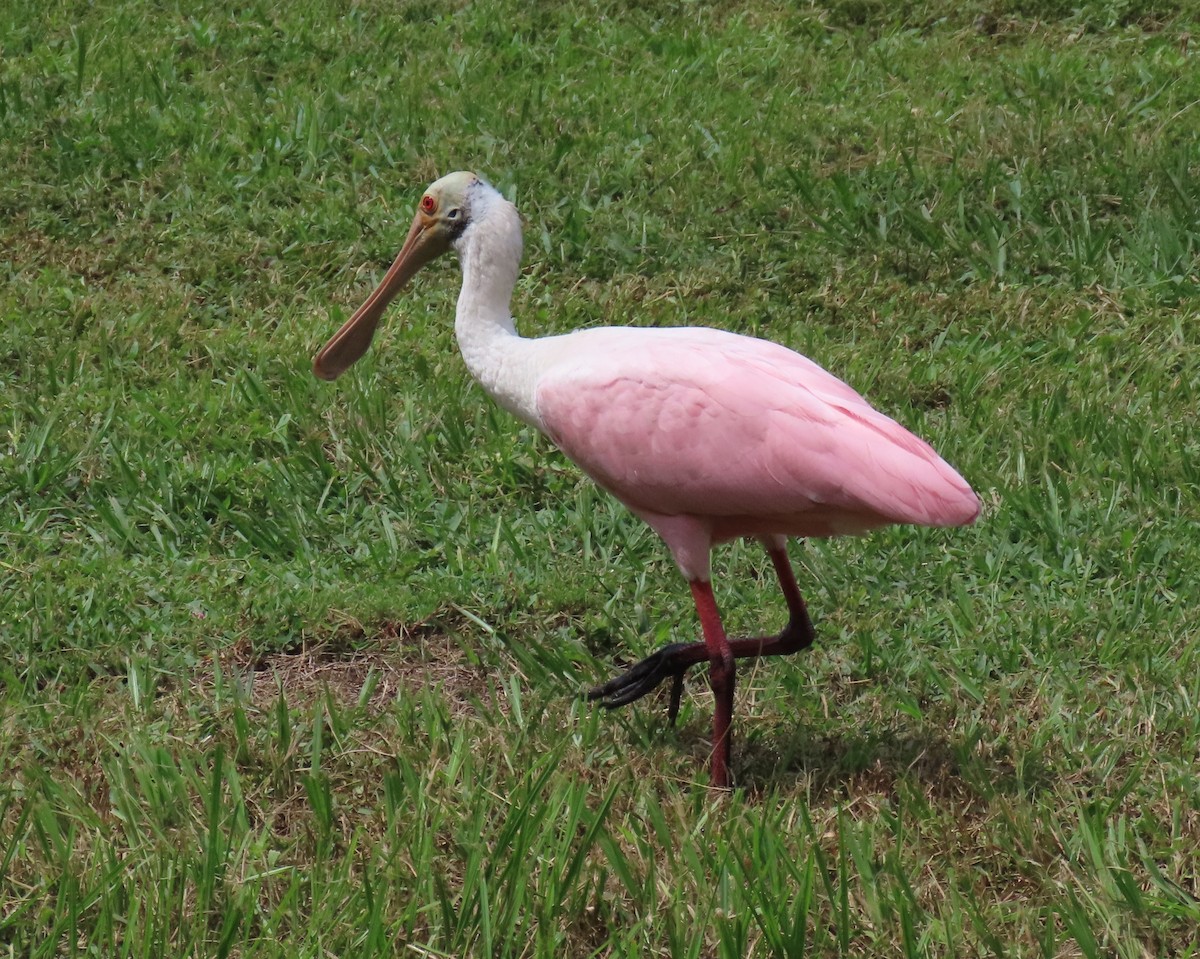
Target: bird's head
x=441, y=217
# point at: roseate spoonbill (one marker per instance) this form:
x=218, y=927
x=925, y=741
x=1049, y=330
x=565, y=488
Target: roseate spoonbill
x=705, y=435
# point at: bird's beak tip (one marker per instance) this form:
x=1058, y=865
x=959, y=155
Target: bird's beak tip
x=321, y=373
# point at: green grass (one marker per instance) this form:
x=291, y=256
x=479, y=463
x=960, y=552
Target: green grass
x=291, y=669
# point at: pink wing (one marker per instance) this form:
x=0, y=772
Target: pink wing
x=744, y=433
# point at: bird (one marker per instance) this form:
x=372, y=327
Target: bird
x=706, y=435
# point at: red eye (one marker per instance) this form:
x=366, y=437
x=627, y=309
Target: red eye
x=428, y=203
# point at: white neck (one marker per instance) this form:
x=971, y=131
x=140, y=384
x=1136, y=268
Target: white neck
x=489, y=251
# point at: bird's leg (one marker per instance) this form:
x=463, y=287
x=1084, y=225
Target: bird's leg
x=722, y=672
x=674, y=659
x=798, y=634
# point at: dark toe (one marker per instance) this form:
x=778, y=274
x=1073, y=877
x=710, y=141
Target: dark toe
x=644, y=677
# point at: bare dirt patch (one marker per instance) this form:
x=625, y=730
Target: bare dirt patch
x=400, y=659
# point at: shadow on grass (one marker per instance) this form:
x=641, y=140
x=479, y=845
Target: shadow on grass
x=885, y=760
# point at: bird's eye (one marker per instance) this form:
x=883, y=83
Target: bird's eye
x=428, y=203
x=453, y=214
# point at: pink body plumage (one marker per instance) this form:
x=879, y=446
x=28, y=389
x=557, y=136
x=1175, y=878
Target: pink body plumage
x=709, y=436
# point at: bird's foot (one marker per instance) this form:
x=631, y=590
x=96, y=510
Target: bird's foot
x=648, y=674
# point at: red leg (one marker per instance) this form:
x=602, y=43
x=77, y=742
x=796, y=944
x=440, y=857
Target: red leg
x=722, y=671
x=673, y=660
x=798, y=634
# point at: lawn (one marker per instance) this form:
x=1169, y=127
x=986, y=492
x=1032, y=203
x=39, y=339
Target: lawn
x=295, y=669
